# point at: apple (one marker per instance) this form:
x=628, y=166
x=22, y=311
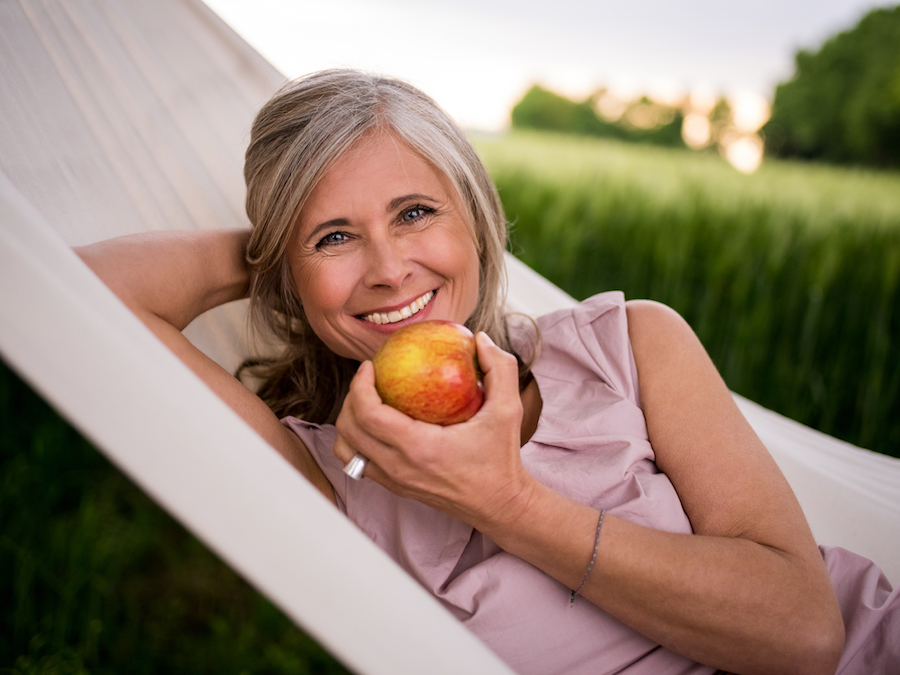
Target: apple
x=429, y=371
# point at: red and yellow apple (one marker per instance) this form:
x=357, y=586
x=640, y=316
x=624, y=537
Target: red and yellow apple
x=429, y=371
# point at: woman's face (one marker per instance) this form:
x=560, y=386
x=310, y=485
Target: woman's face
x=381, y=242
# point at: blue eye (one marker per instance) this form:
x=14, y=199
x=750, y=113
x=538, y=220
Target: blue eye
x=415, y=212
x=331, y=239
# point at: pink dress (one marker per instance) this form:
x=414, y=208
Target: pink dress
x=591, y=444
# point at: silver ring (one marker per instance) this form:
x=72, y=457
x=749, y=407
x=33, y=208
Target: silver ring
x=355, y=467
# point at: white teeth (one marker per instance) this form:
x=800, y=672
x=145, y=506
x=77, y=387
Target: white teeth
x=398, y=315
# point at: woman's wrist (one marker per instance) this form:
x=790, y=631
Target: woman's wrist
x=233, y=273
x=550, y=531
x=509, y=511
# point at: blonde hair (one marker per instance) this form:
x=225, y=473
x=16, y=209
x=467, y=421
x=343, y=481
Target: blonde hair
x=295, y=138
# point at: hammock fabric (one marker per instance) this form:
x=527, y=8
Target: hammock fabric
x=119, y=116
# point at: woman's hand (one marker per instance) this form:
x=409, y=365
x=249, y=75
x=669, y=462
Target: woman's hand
x=470, y=470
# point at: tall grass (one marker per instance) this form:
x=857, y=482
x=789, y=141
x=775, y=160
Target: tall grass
x=790, y=276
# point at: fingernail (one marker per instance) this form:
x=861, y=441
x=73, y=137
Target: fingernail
x=484, y=336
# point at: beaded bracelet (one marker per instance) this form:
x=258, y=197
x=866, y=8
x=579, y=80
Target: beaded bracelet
x=593, y=558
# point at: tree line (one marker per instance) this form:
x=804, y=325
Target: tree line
x=842, y=104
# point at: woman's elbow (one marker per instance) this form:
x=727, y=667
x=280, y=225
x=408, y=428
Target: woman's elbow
x=820, y=648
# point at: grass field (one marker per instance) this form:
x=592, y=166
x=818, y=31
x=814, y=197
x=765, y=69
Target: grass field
x=790, y=276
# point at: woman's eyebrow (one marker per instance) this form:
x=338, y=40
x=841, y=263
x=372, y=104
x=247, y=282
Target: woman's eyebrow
x=327, y=225
x=397, y=202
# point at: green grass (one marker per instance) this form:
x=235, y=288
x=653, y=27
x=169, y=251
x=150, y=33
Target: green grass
x=790, y=276
x=98, y=579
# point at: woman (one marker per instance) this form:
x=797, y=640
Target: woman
x=615, y=466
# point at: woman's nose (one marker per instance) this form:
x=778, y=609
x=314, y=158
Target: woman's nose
x=388, y=264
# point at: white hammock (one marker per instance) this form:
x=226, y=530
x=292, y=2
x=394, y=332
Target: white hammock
x=123, y=116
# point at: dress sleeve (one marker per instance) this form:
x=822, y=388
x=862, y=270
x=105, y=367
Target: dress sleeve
x=424, y=542
x=595, y=334
x=319, y=440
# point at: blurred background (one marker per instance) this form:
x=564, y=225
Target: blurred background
x=479, y=58
x=737, y=161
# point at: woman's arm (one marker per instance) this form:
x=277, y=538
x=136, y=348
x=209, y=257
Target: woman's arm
x=747, y=593
x=755, y=553
x=168, y=279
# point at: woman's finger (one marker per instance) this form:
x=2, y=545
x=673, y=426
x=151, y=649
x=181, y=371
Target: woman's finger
x=363, y=384
x=501, y=371
x=366, y=425
x=342, y=450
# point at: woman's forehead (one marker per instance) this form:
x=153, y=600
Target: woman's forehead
x=380, y=166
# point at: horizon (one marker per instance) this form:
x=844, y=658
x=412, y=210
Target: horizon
x=477, y=59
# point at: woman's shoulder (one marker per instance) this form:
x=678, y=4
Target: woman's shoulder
x=612, y=320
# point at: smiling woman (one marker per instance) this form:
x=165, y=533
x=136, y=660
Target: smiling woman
x=608, y=461
x=381, y=234
x=358, y=131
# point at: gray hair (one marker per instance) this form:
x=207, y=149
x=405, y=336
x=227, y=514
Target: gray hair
x=295, y=138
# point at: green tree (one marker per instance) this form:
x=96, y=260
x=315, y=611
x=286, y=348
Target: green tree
x=542, y=109
x=843, y=102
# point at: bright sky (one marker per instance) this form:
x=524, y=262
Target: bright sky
x=477, y=57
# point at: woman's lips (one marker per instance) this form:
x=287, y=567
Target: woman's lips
x=381, y=318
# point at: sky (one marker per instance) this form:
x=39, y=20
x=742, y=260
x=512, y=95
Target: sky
x=478, y=57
